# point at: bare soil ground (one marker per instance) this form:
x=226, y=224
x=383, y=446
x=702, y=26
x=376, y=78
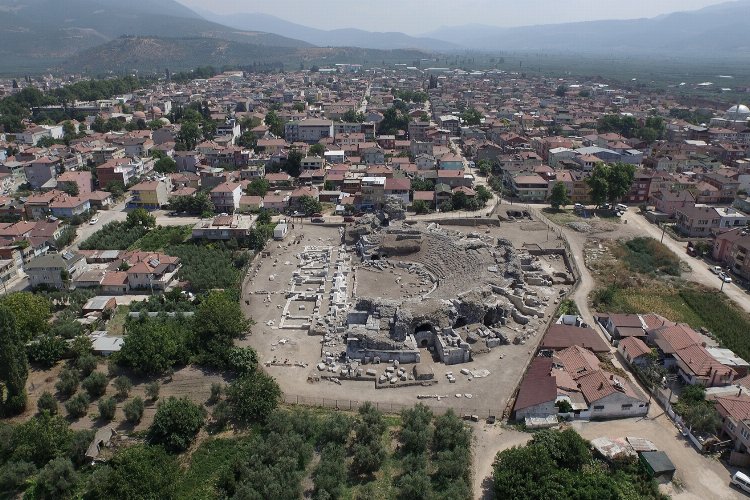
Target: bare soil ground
x=488, y=395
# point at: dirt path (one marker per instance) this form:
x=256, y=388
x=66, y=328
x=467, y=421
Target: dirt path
x=488, y=441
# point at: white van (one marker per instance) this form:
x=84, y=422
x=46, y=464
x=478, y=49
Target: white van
x=742, y=481
x=621, y=208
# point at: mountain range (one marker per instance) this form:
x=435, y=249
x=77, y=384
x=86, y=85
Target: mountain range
x=107, y=35
x=715, y=31
x=347, y=37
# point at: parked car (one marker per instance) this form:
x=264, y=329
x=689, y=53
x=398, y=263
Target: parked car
x=725, y=278
x=94, y=221
x=715, y=269
x=317, y=220
x=349, y=218
x=742, y=481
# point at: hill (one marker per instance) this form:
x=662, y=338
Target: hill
x=35, y=34
x=715, y=32
x=330, y=38
x=153, y=54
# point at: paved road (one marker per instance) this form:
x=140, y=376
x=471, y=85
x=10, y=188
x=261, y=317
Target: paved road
x=701, y=273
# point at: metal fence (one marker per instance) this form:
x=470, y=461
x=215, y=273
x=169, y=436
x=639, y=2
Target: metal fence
x=385, y=407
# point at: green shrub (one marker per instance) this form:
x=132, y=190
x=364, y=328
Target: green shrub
x=134, y=410
x=95, y=384
x=77, y=405
x=48, y=403
x=122, y=386
x=176, y=423
x=107, y=408
x=87, y=364
x=67, y=383
x=152, y=390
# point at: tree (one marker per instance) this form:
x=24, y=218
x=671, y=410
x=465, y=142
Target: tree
x=189, y=135
x=598, y=184
x=134, y=410
x=561, y=90
x=559, y=196
x=48, y=403
x=57, y=479
x=95, y=384
x=471, y=116
x=14, y=367
x=217, y=323
x=619, y=181
x=258, y=187
x=353, y=116
x=274, y=123
x=330, y=476
x=165, y=165
x=242, y=360
x=31, y=313
x=154, y=345
x=176, y=423
x=216, y=390
x=293, y=164
x=152, y=390
x=253, y=397
x=107, y=408
x=70, y=188
x=87, y=363
x=310, y=205
x=316, y=150
x=136, y=472
x=264, y=217
x=122, y=386
x=77, y=405
x=67, y=382
x=140, y=217
x=46, y=350
x=420, y=207
x=116, y=188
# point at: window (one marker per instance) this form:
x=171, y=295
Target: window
x=745, y=433
x=598, y=407
x=626, y=406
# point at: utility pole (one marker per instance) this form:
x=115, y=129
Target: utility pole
x=663, y=230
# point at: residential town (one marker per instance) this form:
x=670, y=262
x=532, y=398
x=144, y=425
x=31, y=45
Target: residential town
x=379, y=225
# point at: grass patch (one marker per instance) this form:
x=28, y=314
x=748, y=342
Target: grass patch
x=561, y=217
x=199, y=480
x=159, y=238
x=207, y=267
x=116, y=325
x=648, y=256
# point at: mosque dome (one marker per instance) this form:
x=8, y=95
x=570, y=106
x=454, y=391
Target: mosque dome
x=738, y=109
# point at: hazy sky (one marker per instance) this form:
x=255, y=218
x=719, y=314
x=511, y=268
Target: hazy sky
x=419, y=16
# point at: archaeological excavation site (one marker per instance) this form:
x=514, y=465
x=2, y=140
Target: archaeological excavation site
x=390, y=310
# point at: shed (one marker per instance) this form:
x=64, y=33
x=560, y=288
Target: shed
x=99, y=304
x=104, y=344
x=658, y=464
x=102, y=439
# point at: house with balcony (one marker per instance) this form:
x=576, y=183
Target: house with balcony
x=148, y=270
x=69, y=206
x=55, y=270
x=150, y=195
x=529, y=187
x=399, y=188
x=226, y=197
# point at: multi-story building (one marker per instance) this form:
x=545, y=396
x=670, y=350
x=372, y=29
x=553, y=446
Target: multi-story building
x=310, y=130
x=150, y=195
x=226, y=197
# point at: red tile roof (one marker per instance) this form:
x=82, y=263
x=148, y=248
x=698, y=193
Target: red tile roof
x=560, y=337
